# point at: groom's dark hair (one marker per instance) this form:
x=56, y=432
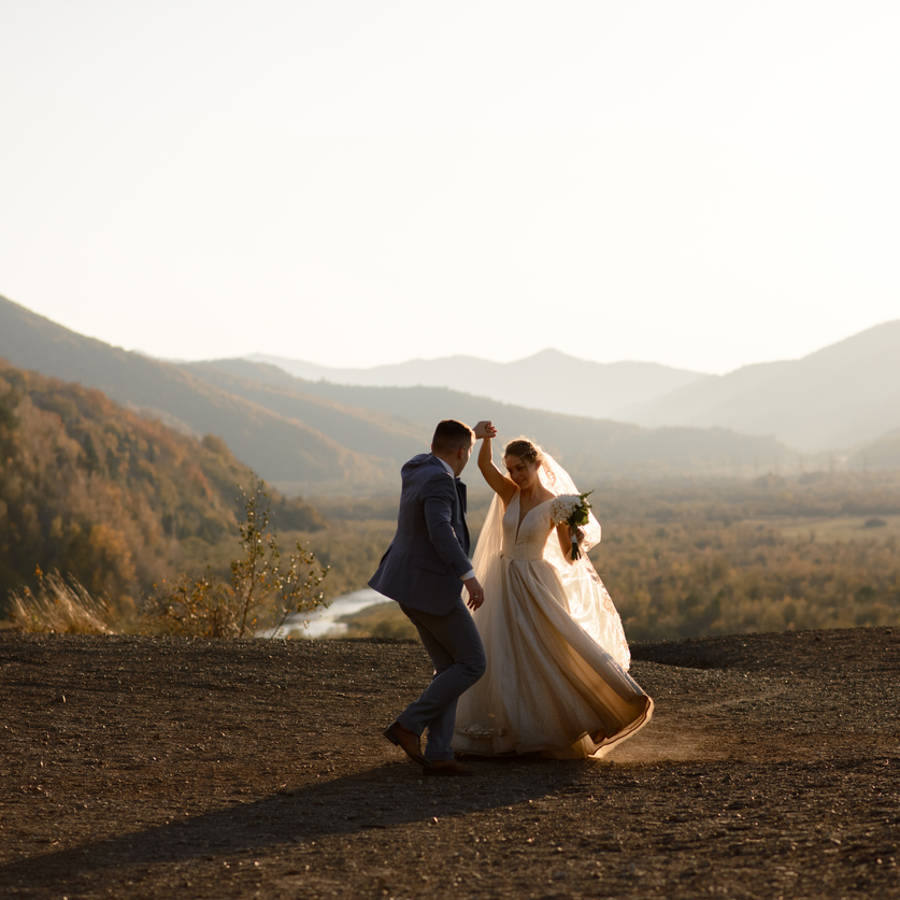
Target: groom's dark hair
x=450, y=435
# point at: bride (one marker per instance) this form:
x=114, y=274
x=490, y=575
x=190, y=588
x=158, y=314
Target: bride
x=557, y=659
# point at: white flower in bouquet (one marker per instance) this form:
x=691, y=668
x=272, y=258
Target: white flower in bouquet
x=572, y=510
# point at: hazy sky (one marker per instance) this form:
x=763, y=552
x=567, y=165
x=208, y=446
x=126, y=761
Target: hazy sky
x=703, y=184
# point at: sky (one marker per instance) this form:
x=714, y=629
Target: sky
x=705, y=184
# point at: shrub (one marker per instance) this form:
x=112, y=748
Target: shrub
x=262, y=583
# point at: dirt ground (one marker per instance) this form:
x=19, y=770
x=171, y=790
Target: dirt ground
x=153, y=767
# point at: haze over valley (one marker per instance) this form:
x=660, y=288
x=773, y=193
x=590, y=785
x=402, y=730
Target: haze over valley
x=122, y=468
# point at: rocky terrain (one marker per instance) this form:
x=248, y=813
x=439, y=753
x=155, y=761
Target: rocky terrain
x=154, y=767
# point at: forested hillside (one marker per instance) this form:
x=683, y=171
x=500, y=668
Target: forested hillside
x=117, y=500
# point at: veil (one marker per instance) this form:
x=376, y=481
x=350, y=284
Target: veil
x=589, y=603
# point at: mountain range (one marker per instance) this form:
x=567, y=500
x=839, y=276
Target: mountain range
x=591, y=448
x=318, y=437
x=549, y=380
x=835, y=399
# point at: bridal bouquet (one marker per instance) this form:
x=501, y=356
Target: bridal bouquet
x=572, y=509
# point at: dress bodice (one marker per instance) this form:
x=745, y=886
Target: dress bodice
x=526, y=539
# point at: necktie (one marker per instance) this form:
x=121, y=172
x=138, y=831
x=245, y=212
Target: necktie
x=466, y=541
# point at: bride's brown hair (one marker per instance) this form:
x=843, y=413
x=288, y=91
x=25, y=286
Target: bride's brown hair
x=524, y=449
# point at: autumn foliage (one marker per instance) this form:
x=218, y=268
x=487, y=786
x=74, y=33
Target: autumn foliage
x=113, y=499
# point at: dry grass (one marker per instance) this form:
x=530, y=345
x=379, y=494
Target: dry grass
x=59, y=606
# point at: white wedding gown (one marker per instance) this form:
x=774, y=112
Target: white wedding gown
x=557, y=659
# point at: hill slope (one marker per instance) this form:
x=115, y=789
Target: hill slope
x=836, y=398
x=93, y=489
x=278, y=447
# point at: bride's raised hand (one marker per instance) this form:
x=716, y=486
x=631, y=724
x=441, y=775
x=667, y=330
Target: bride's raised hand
x=504, y=486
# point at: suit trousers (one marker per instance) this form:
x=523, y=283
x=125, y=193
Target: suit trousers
x=455, y=648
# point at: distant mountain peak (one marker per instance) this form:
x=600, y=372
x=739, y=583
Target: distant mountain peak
x=549, y=353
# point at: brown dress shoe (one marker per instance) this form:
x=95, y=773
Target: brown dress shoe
x=407, y=741
x=446, y=767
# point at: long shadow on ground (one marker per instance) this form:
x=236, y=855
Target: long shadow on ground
x=380, y=797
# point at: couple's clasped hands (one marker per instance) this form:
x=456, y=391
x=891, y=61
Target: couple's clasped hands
x=484, y=429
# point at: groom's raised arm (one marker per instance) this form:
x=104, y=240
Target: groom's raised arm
x=439, y=499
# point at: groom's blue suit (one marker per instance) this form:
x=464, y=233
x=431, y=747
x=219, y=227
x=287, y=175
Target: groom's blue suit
x=430, y=551
x=421, y=570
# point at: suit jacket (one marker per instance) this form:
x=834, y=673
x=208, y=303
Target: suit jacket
x=429, y=553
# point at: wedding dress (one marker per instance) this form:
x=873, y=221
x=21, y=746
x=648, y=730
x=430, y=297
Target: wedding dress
x=557, y=658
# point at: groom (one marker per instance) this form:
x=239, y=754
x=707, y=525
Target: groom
x=424, y=569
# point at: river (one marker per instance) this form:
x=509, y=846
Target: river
x=324, y=622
